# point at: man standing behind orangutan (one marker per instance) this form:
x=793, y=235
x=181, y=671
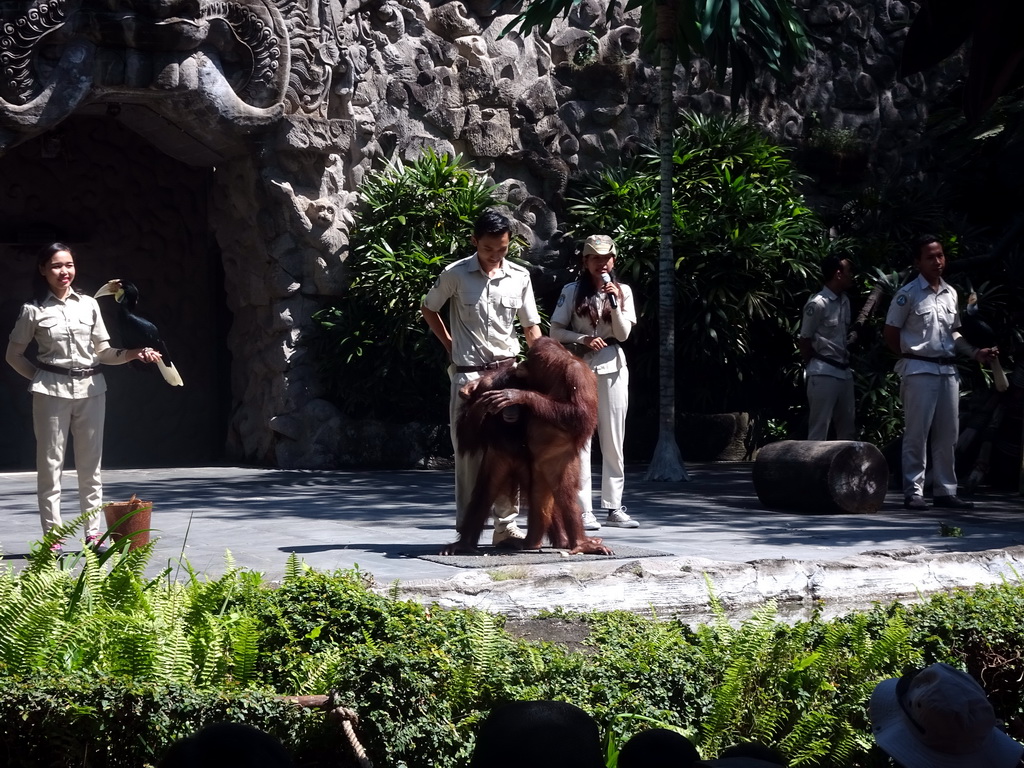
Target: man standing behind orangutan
x=485, y=293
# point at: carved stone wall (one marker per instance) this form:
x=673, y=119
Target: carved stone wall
x=290, y=104
x=851, y=83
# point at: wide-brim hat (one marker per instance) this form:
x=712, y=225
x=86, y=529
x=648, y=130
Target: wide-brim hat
x=939, y=717
x=599, y=244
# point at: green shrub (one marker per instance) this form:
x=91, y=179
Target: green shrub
x=80, y=720
x=377, y=355
x=981, y=631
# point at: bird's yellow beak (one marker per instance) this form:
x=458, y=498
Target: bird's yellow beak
x=112, y=288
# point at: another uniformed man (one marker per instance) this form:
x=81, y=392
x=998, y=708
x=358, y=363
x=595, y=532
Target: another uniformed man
x=823, y=332
x=921, y=327
x=485, y=293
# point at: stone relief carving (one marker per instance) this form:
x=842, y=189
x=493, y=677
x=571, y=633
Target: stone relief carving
x=228, y=56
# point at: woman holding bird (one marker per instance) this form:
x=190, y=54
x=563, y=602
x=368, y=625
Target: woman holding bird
x=68, y=390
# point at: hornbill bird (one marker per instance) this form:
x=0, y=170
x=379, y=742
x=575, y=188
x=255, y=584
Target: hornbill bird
x=137, y=332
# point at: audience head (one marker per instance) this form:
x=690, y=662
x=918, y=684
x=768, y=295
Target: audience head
x=748, y=754
x=222, y=744
x=658, y=748
x=757, y=751
x=939, y=717
x=540, y=734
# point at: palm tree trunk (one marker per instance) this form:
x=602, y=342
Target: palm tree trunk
x=667, y=462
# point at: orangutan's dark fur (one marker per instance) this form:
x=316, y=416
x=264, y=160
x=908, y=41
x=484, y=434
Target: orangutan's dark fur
x=537, y=453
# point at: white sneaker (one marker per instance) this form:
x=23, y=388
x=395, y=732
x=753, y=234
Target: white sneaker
x=590, y=522
x=507, y=536
x=617, y=518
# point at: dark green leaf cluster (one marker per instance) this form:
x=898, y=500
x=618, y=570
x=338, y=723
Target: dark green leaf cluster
x=981, y=631
x=747, y=249
x=376, y=354
x=78, y=720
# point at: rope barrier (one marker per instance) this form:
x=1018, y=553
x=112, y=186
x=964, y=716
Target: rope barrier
x=335, y=711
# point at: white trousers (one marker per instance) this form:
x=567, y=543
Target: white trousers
x=612, y=404
x=931, y=405
x=467, y=466
x=52, y=419
x=830, y=399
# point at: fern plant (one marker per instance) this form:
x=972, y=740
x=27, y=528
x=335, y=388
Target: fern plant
x=802, y=687
x=100, y=614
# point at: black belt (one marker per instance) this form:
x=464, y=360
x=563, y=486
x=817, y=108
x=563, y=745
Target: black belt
x=74, y=373
x=497, y=365
x=830, y=361
x=939, y=360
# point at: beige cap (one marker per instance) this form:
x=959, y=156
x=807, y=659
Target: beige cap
x=599, y=244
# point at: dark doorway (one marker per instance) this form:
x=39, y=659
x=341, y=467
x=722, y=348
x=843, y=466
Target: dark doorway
x=128, y=211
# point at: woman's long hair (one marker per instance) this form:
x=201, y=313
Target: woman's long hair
x=40, y=288
x=585, y=304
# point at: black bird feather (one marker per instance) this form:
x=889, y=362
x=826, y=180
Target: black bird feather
x=137, y=332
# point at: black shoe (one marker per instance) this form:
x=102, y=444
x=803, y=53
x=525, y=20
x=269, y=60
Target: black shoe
x=96, y=544
x=914, y=502
x=952, y=502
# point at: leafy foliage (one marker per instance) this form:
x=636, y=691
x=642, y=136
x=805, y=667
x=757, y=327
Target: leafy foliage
x=161, y=660
x=802, y=687
x=81, y=720
x=375, y=350
x=747, y=250
x=100, y=614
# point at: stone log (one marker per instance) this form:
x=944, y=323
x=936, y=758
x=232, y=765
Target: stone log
x=821, y=476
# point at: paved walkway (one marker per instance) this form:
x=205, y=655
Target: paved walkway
x=711, y=528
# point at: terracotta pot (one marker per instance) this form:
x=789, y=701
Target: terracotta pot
x=129, y=518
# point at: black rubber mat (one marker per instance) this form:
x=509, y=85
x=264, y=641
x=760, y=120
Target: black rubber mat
x=492, y=557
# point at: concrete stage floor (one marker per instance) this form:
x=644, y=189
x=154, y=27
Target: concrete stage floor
x=709, y=531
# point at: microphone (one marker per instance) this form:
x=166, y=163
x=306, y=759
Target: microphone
x=606, y=279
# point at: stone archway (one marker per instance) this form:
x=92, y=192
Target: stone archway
x=128, y=210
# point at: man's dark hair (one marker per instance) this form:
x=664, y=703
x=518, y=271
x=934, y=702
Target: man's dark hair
x=491, y=222
x=921, y=242
x=658, y=748
x=830, y=265
x=757, y=751
x=221, y=744
x=540, y=734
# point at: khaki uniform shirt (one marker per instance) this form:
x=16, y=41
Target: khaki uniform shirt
x=926, y=320
x=66, y=334
x=826, y=322
x=482, y=309
x=570, y=328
